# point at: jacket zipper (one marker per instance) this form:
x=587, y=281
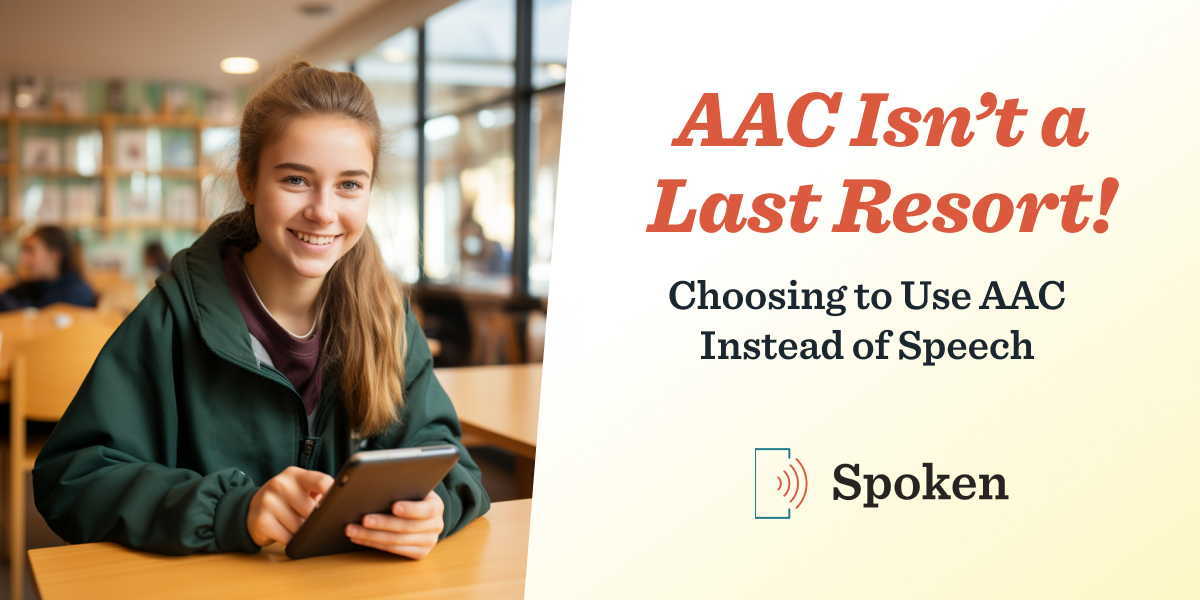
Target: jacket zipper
x=273, y=375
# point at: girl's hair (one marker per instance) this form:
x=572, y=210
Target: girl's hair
x=57, y=239
x=362, y=306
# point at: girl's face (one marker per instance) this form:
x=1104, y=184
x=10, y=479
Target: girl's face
x=37, y=261
x=311, y=194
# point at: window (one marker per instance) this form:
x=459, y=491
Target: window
x=390, y=70
x=472, y=101
x=471, y=47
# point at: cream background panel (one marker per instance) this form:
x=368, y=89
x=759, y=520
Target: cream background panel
x=645, y=459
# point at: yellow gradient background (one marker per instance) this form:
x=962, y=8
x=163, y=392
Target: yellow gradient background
x=645, y=453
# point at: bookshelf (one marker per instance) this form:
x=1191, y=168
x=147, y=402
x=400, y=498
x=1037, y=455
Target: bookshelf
x=109, y=175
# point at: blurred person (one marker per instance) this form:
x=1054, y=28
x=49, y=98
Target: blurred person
x=479, y=254
x=154, y=258
x=49, y=271
x=275, y=347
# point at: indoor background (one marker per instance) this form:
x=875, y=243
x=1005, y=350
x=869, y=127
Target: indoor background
x=118, y=121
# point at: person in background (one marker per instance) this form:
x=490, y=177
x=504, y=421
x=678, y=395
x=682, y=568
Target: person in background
x=48, y=268
x=154, y=263
x=155, y=260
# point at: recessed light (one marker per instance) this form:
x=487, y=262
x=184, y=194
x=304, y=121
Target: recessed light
x=316, y=9
x=239, y=65
x=394, y=55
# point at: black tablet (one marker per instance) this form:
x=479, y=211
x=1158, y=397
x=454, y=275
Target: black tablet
x=370, y=482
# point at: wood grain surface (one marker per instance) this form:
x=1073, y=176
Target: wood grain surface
x=484, y=560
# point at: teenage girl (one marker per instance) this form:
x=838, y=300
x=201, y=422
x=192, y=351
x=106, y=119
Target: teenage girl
x=275, y=347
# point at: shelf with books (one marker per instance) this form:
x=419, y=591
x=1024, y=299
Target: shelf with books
x=148, y=170
x=144, y=223
x=165, y=172
x=56, y=173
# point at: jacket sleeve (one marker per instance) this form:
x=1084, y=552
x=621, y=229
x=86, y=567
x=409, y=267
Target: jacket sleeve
x=428, y=419
x=106, y=473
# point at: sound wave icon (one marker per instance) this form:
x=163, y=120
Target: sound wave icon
x=790, y=473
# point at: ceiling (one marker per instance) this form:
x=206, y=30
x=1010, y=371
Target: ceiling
x=171, y=40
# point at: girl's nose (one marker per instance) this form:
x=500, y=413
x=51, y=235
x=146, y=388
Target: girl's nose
x=320, y=210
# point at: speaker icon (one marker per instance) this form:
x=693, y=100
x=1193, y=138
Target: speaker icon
x=778, y=475
x=790, y=485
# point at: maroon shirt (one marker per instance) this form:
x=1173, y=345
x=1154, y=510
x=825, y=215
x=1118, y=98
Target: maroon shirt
x=298, y=360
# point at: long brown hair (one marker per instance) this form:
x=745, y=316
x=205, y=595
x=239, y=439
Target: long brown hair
x=55, y=238
x=362, y=306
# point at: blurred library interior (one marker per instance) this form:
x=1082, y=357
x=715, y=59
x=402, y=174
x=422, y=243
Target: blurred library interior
x=118, y=123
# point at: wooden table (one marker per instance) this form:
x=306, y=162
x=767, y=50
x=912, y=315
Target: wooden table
x=484, y=560
x=20, y=325
x=499, y=405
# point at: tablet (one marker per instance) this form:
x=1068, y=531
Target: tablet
x=370, y=482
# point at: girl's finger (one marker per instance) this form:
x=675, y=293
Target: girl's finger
x=282, y=512
x=421, y=509
x=276, y=531
x=314, y=481
x=402, y=524
x=391, y=538
x=413, y=552
x=298, y=497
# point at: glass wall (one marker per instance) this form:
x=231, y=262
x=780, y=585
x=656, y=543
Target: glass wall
x=390, y=69
x=454, y=125
x=471, y=48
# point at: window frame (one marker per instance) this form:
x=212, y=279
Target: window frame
x=522, y=100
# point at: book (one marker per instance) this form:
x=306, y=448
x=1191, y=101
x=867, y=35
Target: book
x=39, y=152
x=115, y=96
x=130, y=149
x=82, y=202
x=179, y=148
x=182, y=203
x=218, y=104
x=69, y=96
x=51, y=209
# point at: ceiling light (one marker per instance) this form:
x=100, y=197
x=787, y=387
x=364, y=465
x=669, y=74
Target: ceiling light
x=239, y=65
x=395, y=55
x=316, y=9
x=557, y=71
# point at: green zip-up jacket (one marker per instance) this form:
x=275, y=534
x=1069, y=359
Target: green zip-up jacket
x=178, y=424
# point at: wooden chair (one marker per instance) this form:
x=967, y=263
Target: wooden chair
x=46, y=373
x=114, y=292
x=495, y=338
x=535, y=336
x=119, y=299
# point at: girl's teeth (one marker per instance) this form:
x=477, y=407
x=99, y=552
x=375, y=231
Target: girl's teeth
x=314, y=239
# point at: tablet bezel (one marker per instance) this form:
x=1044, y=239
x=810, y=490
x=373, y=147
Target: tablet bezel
x=368, y=483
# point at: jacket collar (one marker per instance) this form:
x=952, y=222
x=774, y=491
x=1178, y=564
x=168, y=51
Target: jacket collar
x=203, y=284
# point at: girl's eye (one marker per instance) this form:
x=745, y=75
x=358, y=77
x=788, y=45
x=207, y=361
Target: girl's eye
x=350, y=185
x=294, y=180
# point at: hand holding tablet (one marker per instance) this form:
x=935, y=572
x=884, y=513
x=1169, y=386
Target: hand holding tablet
x=411, y=530
x=381, y=499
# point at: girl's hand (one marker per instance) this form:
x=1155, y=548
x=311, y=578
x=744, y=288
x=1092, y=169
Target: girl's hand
x=411, y=530
x=281, y=505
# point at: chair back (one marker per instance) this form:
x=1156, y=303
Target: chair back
x=48, y=370
x=114, y=292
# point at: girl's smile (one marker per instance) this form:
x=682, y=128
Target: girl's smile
x=314, y=242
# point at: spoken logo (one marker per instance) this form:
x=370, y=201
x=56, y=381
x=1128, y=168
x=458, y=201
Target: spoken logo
x=780, y=483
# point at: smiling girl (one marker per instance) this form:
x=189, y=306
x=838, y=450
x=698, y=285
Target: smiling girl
x=274, y=348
